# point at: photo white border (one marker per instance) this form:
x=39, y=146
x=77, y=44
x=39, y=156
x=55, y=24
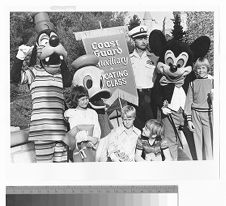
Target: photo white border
x=192, y=176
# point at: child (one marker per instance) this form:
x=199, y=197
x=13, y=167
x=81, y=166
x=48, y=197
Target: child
x=198, y=109
x=81, y=115
x=120, y=144
x=151, y=146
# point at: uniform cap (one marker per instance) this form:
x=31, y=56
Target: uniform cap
x=138, y=31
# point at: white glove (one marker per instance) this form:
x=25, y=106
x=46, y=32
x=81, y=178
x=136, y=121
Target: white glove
x=23, y=51
x=81, y=136
x=166, y=110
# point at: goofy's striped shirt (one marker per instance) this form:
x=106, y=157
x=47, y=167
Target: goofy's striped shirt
x=47, y=121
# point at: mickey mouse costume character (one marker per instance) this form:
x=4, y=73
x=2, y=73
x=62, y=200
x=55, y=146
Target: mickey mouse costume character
x=90, y=76
x=175, y=72
x=46, y=81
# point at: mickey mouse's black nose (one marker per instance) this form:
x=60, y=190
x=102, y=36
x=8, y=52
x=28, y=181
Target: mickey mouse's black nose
x=54, y=41
x=173, y=68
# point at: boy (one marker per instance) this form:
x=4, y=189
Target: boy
x=120, y=144
x=198, y=109
x=152, y=144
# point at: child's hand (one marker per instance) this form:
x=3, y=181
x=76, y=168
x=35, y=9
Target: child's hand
x=90, y=145
x=150, y=157
x=114, y=158
x=210, y=96
x=191, y=126
x=112, y=148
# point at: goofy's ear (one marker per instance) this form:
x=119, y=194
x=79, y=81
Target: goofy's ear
x=157, y=42
x=200, y=47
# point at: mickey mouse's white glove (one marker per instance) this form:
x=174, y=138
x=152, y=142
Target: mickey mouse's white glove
x=23, y=51
x=166, y=110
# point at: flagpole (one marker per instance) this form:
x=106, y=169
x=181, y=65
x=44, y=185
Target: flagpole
x=120, y=104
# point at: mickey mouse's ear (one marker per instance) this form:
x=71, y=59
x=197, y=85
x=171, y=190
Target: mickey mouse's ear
x=200, y=47
x=157, y=42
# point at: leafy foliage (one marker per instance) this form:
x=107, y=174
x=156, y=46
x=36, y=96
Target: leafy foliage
x=177, y=31
x=135, y=21
x=199, y=24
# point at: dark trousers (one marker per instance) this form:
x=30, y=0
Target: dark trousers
x=144, y=109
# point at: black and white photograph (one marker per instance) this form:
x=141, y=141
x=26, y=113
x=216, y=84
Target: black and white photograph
x=110, y=86
x=127, y=96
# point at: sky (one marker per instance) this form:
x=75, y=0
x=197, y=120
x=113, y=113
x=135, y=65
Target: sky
x=158, y=18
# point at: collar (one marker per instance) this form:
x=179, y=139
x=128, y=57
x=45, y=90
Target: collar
x=151, y=141
x=150, y=55
x=39, y=67
x=207, y=77
x=123, y=129
x=135, y=54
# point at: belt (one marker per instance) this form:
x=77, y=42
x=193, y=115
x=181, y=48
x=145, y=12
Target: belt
x=144, y=90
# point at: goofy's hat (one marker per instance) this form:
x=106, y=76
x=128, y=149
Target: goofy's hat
x=42, y=22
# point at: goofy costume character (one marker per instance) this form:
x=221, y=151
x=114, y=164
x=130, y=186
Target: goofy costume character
x=46, y=81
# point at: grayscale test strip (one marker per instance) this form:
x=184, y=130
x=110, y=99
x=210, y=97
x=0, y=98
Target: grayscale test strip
x=90, y=189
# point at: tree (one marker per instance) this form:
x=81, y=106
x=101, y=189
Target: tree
x=199, y=24
x=177, y=31
x=135, y=21
x=21, y=31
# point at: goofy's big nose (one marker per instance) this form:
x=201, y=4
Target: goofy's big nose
x=54, y=41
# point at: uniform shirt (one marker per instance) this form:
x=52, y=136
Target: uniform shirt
x=88, y=117
x=122, y=144
x=47, y=120
x=143, y=69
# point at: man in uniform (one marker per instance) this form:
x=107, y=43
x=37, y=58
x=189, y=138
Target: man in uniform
x=143, y=64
